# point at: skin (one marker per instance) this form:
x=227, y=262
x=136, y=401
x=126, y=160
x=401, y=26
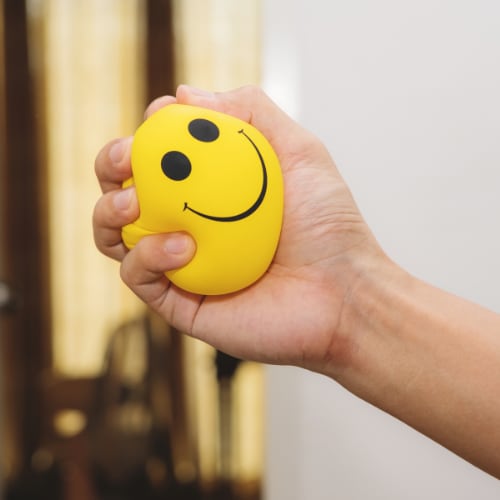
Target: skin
x=332, y=301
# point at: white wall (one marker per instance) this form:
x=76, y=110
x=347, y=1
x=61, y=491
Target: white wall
x=407, y=97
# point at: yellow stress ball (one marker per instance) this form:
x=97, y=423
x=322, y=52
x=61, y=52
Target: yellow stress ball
x=217, y=178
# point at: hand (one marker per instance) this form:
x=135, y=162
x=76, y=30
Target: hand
x=292, y=315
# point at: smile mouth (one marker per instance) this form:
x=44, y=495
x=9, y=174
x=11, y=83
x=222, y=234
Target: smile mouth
x=249, y=211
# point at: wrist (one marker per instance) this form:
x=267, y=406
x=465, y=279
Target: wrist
x=371, y=316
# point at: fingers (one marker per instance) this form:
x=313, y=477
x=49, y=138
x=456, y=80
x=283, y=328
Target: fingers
x=143, y=268
x=117, y=207
x=114, y=210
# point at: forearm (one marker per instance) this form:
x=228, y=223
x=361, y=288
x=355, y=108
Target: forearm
x=428, y=358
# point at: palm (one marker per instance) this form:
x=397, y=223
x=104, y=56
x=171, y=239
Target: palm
x=289, y=315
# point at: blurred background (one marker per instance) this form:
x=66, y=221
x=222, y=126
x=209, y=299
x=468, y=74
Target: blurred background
x=99, y=398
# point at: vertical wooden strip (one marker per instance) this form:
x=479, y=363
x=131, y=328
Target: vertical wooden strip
x=160, y=49
x=26, y=336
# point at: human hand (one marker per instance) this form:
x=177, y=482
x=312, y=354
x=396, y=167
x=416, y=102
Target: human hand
x=293, y=314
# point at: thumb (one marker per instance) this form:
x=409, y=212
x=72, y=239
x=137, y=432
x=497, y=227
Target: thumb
x=154, y=255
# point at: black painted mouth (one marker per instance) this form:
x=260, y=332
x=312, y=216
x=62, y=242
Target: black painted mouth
x=248, y=211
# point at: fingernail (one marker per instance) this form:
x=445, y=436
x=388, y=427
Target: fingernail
x=122, y=199
x=117, y=150
x=199, y=92
x=177, y=244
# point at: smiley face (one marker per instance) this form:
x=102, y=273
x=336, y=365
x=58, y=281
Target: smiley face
x=217, y=178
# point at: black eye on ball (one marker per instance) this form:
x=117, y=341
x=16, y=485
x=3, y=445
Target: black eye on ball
x=203, y=130
x=176, y=165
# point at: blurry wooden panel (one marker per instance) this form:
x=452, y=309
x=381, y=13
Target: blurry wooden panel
x=90, y=58
x=217, y=42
